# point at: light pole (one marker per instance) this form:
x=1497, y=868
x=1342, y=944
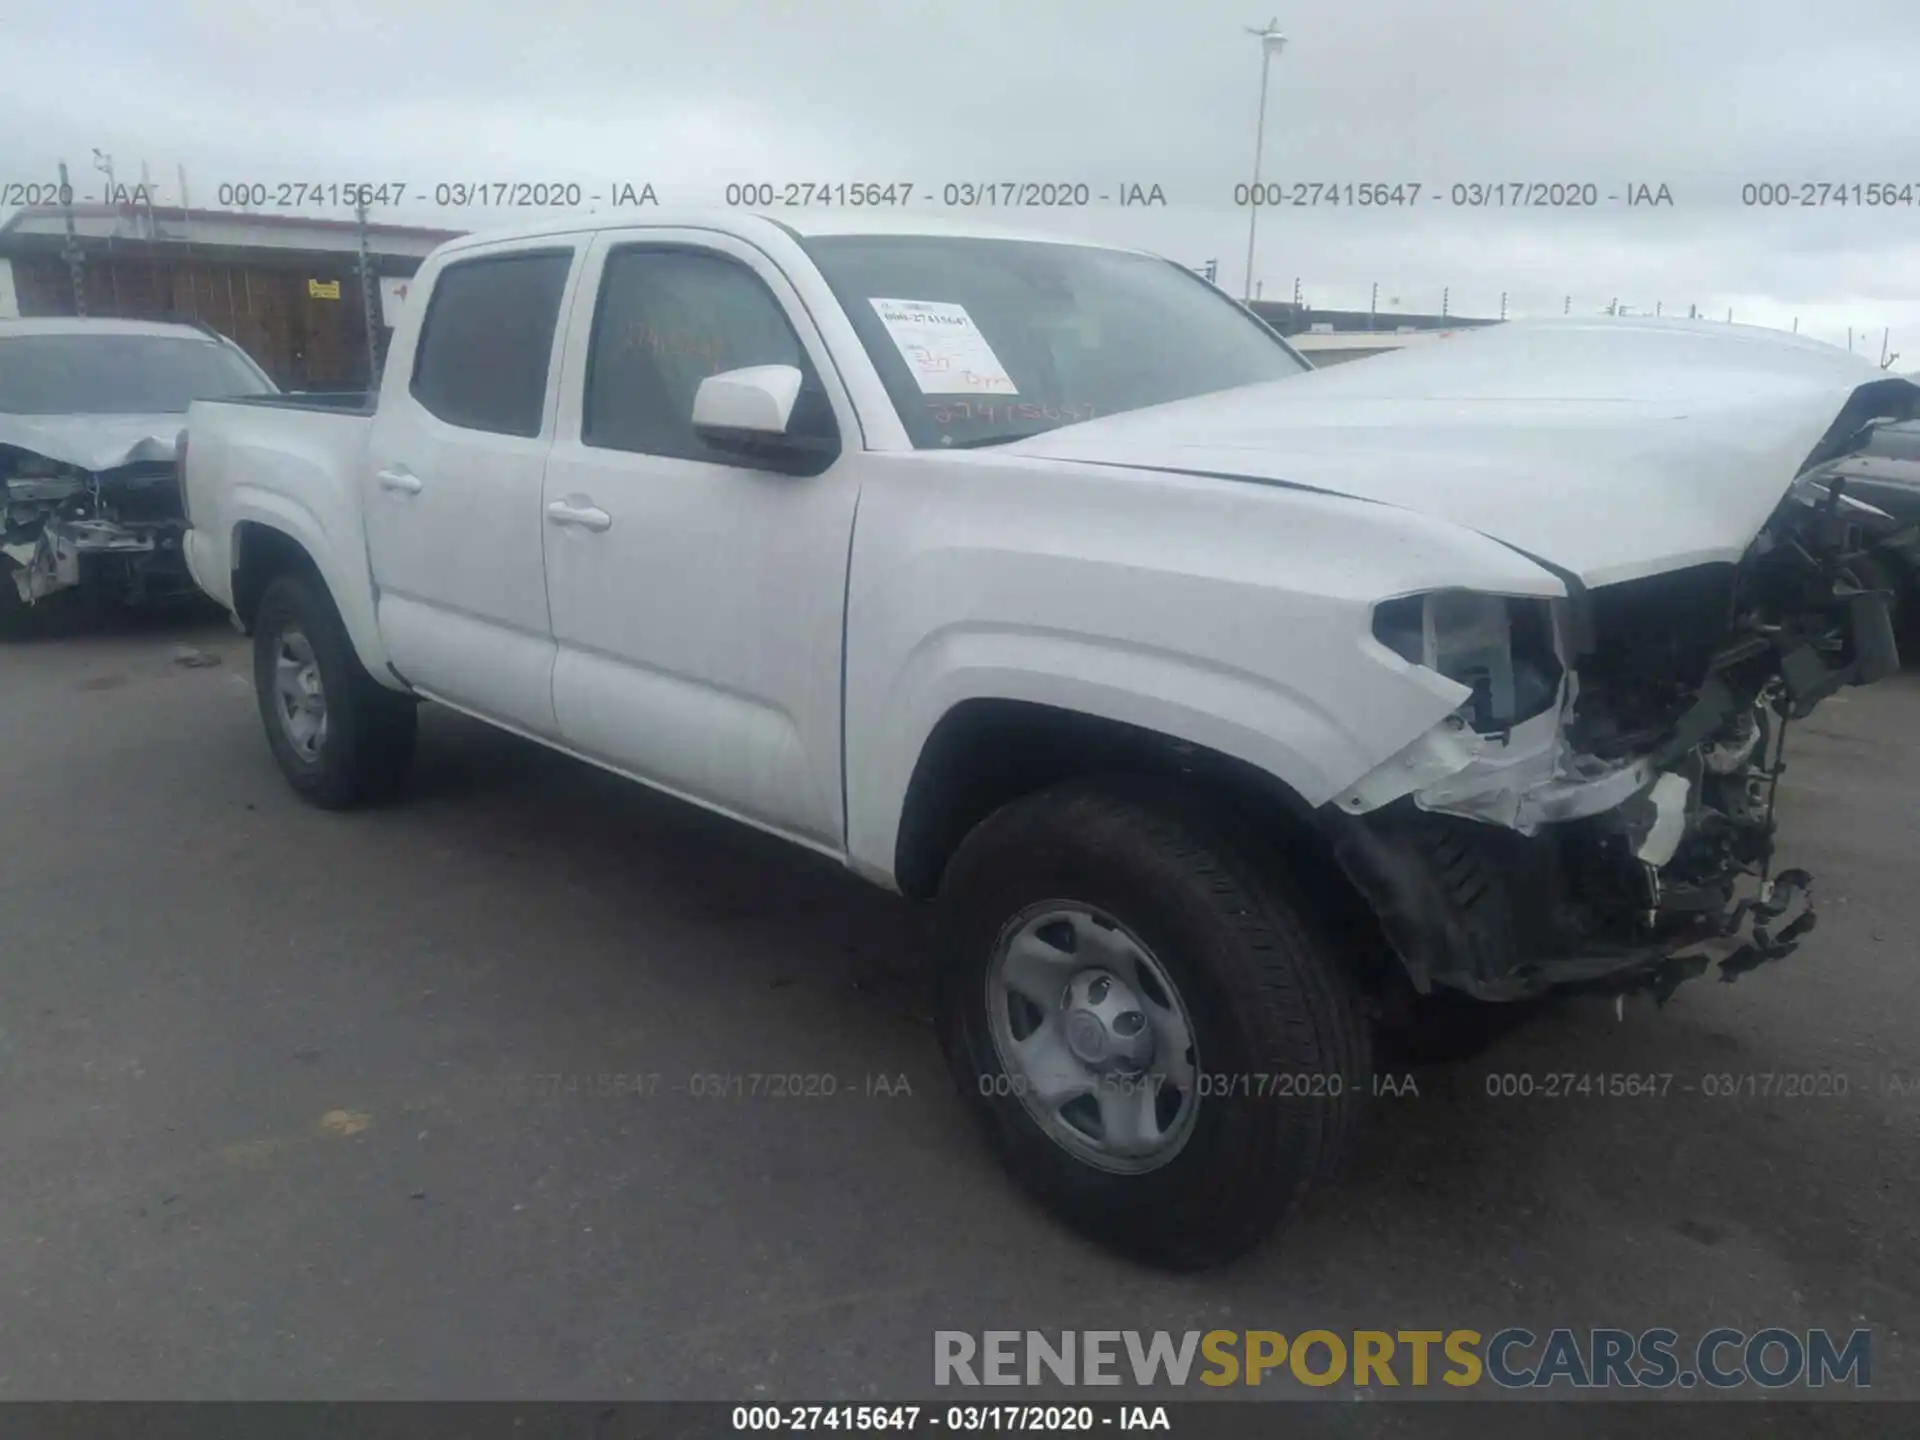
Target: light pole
x=1272, y=42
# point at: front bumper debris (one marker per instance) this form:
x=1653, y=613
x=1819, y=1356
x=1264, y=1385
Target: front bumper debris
x=121, y=532
x=139, y=560
x=1502, y=916
x=1626, y=840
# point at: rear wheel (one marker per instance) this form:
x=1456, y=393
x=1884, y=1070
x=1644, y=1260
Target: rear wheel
x=1151, y=1031
x=340, y=737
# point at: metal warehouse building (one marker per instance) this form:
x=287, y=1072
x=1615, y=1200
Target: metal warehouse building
x=287, y=289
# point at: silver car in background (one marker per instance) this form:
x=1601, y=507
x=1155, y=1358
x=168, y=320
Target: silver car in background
x=91, y=416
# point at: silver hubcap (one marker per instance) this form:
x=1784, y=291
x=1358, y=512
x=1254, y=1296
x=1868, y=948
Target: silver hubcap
x=1093, y=1036
x=300, y=700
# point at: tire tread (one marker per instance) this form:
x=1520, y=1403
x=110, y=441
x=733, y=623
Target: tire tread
x=371, y=729
x=1309, y=1018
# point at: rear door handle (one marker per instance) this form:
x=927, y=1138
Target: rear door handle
x=404, y=481
x=586, y=516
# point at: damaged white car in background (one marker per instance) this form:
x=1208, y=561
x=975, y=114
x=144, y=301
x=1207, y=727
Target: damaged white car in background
x=91, y=412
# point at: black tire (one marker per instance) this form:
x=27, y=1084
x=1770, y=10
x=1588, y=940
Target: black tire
x=369, y=739
x=1267, y=998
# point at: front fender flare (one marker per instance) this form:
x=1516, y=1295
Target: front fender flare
x=1256, y=720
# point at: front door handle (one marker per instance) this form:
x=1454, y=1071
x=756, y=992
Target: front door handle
x=586, y=516
x=404, y=481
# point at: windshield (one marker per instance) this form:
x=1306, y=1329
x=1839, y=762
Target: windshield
x=984, y=341
x=118, y=374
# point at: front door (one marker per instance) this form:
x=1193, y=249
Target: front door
x=696, y=600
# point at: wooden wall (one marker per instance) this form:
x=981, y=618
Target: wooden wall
x=304, y=343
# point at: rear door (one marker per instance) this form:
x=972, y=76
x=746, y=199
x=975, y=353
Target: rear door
x=452, y=491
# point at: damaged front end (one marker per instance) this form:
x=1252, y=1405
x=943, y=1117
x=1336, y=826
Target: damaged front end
x=1600, y=813
x=116, y=531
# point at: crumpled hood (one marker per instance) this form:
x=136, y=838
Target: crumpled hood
x=1612, y=449
x=95, y=442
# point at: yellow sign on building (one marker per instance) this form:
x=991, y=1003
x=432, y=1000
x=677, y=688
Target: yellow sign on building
x=323, y=289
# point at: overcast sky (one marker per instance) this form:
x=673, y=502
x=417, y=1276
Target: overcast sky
x=1700, y=95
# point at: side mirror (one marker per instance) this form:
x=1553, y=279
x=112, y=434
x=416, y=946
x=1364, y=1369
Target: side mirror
x=763, y=414
x=757, y=401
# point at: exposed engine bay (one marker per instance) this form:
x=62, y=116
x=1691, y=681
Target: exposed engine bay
x=1601, y=812
x=117, y=531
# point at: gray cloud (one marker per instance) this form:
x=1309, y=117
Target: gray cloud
x=691, y=94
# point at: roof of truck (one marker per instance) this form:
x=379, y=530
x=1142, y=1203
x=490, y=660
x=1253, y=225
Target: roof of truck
x=800, y=223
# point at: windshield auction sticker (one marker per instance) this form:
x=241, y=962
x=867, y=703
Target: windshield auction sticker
x=944, y=348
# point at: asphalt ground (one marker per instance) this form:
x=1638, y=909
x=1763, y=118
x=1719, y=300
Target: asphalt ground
x=454, y=1099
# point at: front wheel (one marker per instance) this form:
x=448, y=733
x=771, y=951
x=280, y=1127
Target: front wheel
x=1145, y=1020
x=340, y=737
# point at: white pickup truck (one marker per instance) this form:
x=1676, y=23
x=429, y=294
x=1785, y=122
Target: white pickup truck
x=1232, y=713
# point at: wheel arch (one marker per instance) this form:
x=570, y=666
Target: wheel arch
x=261, y=553
x=986, y=753
x=276, y=536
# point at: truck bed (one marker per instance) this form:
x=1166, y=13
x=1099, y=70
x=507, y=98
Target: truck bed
x=308, y=452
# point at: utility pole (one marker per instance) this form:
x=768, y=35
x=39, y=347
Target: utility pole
x=367, y=283
x=1446, y=295
x=103, y=162
x=76, y=266
x=1373, y=305
x=153, y=265
x=1503, y=304
x=1566, y=307
x=1272, y=42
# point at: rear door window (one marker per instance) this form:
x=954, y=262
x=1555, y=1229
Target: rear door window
x=487, y=341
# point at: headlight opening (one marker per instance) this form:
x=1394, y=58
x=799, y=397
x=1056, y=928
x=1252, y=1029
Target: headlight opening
x=1500, y=647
